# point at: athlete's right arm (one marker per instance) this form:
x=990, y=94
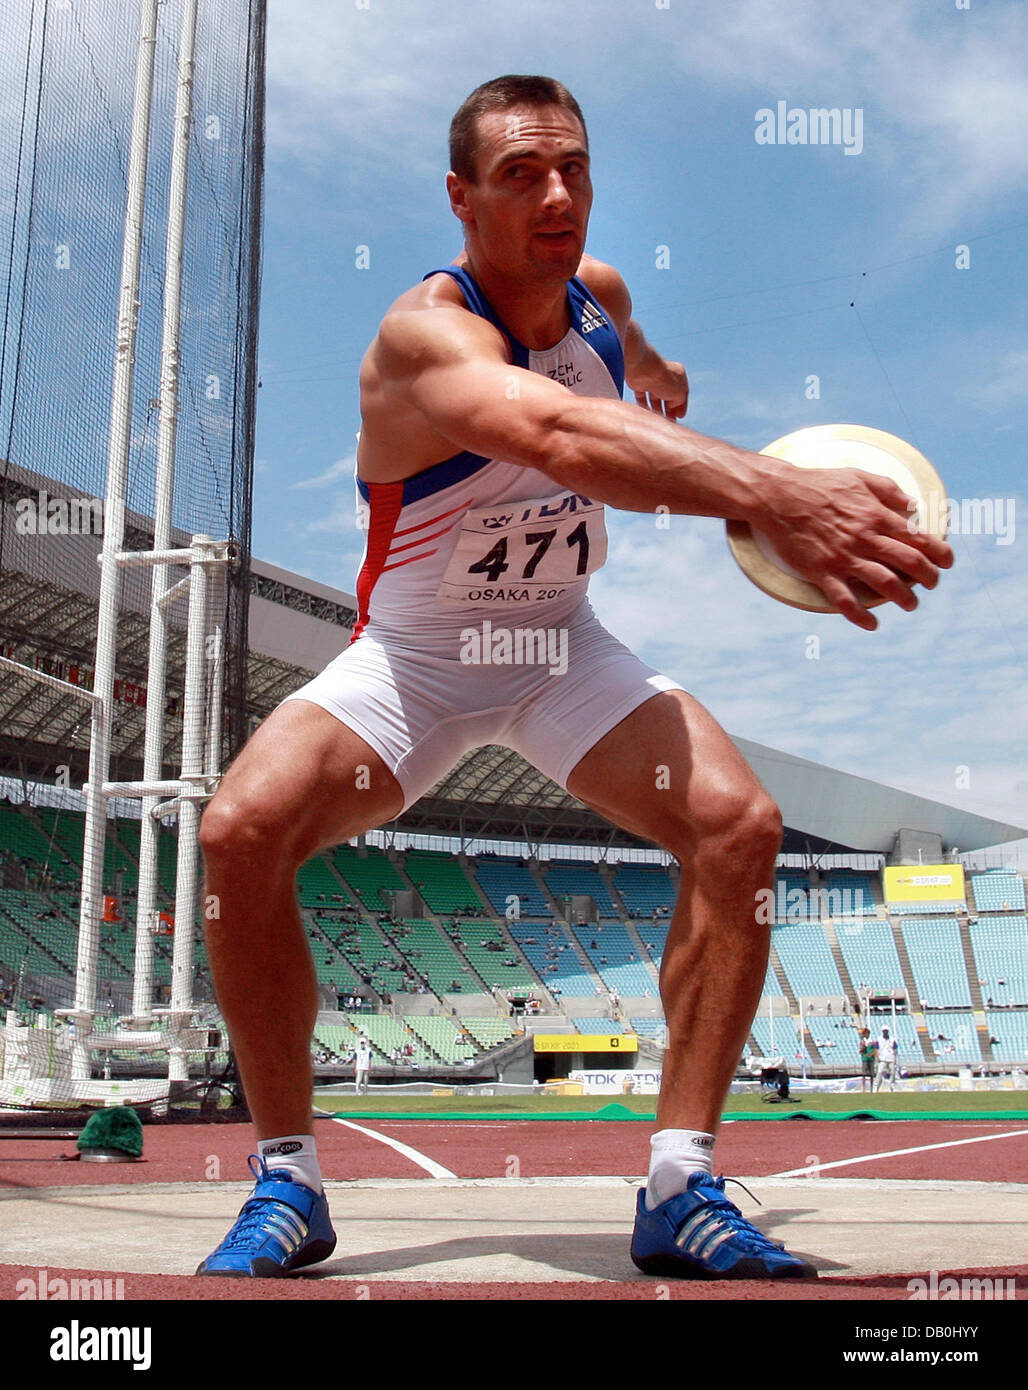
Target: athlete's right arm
x=835, y=527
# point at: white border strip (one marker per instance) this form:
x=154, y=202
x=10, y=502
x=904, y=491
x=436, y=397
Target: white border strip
x=435, y=1170
x=818, y=1168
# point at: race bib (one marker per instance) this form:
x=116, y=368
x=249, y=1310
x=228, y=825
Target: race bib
x=519, y=553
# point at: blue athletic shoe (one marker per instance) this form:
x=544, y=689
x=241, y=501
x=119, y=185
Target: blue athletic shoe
x=282, y=1227
x=699, y=1234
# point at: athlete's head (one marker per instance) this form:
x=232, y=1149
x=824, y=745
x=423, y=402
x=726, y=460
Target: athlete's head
x=503, y=94
x=520, y=178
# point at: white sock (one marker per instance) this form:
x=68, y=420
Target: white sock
x=297, y=1154
x=674, y=1155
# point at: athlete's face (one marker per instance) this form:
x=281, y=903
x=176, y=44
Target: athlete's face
x=528, y=212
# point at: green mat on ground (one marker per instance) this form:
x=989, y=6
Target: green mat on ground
x=616, y=1111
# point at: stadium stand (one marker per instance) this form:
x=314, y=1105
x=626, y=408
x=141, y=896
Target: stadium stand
x=505, y=880
x=806, y=959
x=1010, y=1029
x=869, y=951
x=491, y=955
x=359, y=948
x=1000, y=946
x=835, y=1039
x=653, y=1028
x=489, y=1032
x=904, y=909
x=430, y=955
x=441, y=881
x=615, y=958
x=998, y=891
x=316, y=884
x=581, y=879
x=771, y=984
x=644, y=889
x=953, y=1037
x=653, y=936
x=937, y=960
x=25, y=843
x=786, y=1038
x=368, y=876
x=331, y=967
x=443, y=1037
x=388, y=1036
x=554, y=957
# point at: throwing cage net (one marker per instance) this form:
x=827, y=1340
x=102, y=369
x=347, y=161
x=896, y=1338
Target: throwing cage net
x=131, y=155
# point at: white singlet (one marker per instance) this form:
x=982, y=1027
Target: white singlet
x=473, y=625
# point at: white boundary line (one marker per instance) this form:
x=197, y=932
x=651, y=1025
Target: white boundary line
x=893, y=1153
x=435, y=1170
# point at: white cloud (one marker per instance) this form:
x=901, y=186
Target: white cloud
x=945, y=98
x=1008, y=387
x=342, y=468
x=927, y=694
x=944, y=92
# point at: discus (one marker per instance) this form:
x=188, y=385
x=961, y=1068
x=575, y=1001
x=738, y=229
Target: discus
x=838, y=446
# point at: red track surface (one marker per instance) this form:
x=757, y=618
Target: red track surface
x=167, y=1287
x=486, y=1149
x=551, y=1148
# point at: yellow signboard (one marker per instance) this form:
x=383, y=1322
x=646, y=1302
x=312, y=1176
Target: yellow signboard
x=586, y=1042
x=923, y=883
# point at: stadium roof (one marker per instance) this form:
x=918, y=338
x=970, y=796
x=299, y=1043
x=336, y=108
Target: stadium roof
x=296, y=627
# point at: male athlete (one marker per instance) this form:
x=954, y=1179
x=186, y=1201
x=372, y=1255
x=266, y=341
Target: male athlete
x=493, y=433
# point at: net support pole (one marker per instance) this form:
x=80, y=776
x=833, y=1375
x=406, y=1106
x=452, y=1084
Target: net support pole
x=90, y=911
x=194, y=780
x=164, y=492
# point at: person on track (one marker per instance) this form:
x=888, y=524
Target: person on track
x=887, y=1057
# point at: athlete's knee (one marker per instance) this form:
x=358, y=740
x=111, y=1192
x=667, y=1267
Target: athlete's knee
x=738, y=840
x=241, y=830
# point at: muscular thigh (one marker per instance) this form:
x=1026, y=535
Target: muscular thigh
x=305, y=780
x=669, y=773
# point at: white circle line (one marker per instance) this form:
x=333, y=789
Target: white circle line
x=894, y=1153
x=435, y=1170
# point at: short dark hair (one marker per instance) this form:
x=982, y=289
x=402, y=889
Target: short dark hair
x=498, y=95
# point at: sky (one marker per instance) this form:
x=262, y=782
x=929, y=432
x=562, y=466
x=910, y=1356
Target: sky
x=880, y=280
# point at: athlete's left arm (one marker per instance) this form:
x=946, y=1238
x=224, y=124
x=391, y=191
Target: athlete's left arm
x=658, y=384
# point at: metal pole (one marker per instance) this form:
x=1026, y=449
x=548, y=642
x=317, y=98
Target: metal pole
x=164, y=491
x=114, y=529
x=193, y=722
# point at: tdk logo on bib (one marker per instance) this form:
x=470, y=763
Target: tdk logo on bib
x=538, y=552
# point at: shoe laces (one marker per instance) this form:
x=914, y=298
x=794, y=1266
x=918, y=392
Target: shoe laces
x=252, y=1220
x=730, y=1216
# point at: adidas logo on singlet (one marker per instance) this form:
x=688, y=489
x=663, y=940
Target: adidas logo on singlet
x=591, y=318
